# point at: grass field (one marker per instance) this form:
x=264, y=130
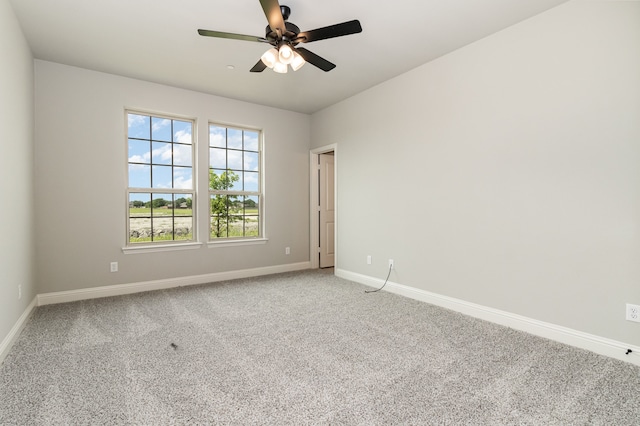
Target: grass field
x=146, y=212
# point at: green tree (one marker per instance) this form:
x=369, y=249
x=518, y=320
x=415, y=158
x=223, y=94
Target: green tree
x=159, y=202
x=138, y=204
x=223, y=207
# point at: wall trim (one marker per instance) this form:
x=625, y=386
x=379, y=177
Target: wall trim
x=590, y=342
x=9, y=340
x=122, y=289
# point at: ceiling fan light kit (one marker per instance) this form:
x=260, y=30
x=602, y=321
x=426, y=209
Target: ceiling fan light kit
x=285, y=36
x=280, y=68
x=270, y=57
x=285, y=53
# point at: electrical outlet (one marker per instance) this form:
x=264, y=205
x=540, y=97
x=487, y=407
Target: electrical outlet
x=19, y=291
x=633, y=312
x=114, y=266
x=369, y=260
x=391, y=264
x=287, y=250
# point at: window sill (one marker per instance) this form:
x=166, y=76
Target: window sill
x=161, y=248
x=233, y=243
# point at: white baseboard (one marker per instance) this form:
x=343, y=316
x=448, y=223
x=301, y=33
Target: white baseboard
x=122, y=289
x=597, y=344
x=7, y=343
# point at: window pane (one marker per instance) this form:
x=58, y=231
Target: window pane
x=251, y=181
x=234, y=138
x=238, y=183
x=251, y=205
x=234, y=159
x=217, y=158
x=139, y=230
x=217, y=136
x=182, y=131
x=163, y=228
x=251, y=226
x=161, y=205
x=161, y=153
x=139, y=205
x=160, y=129
x=161, y=177
x=182, y=155
x=183, y=228
x=139, y=176
x=252, y=216
x=138, y=126
x=251, y=160
x=182, y=205
x=250, y=140
x=236, y=226
x=223, y=180
x=182, y=178
x=218, y=216
x=139, y=151
x=234, y=204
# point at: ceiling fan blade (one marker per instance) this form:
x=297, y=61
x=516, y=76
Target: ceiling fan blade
x=220, y=34
x=316, y=60
x=258, y=67
x=338, y=30
x=274, y=15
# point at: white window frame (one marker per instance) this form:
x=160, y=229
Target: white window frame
x=152, y=246
x=243, y=240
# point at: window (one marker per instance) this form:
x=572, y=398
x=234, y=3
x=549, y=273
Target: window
x=234, y=183
x=160, y=189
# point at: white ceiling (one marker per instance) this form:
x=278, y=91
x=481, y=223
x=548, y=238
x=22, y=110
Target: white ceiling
x=156, y=40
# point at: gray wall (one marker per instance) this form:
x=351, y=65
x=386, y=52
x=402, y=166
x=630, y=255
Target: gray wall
x=16, y=171
x=506, y=173
x=80, y=180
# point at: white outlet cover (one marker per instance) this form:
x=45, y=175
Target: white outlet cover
x=633, y=312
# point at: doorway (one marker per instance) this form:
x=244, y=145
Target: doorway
x=323, y=207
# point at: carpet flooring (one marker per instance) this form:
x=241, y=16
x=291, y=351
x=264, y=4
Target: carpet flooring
x=299, y=348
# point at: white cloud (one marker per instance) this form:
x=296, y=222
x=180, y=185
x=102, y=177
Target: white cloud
x=162, y=154
x=216, y=139
x=160, y=124
x=250, y=161
x=183, y=136
x=234, y=159
x=217, y=158
x=182, y=155
x=134, y=119
x=182, y=182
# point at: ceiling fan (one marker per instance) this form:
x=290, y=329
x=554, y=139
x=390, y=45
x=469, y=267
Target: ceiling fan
x=284, y=36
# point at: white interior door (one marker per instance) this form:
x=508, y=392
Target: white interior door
x=327, y=211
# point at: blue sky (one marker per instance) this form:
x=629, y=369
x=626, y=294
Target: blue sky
x=156, y=156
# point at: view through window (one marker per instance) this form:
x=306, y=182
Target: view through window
x=160, y=174
x=234, y=182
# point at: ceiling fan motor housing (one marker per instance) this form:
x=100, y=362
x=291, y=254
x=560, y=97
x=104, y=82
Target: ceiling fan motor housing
x=291, y=33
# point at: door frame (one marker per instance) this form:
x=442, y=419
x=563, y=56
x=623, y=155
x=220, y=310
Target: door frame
x=314, y=196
